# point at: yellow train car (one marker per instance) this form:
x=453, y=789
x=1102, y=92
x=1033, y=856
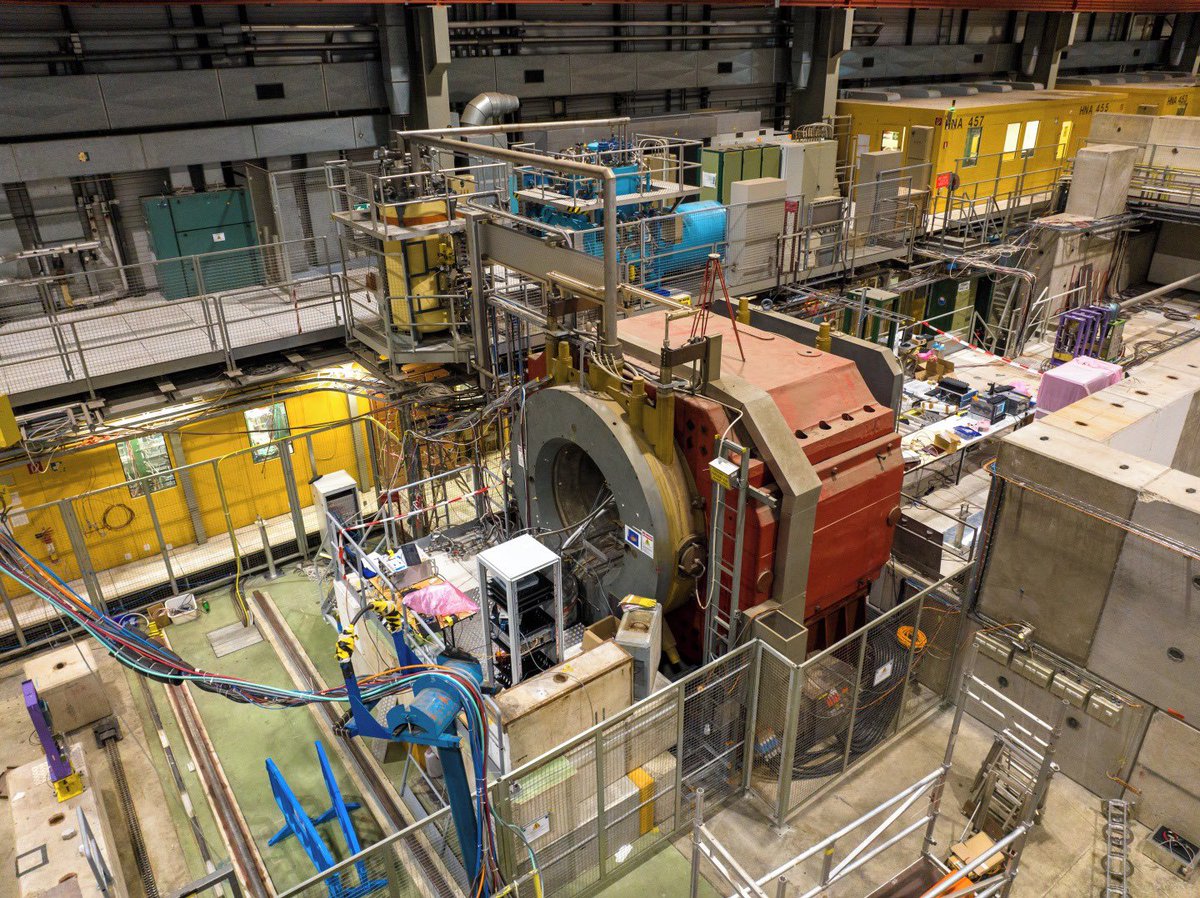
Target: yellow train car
x=1173, y=96
x=1007, y=144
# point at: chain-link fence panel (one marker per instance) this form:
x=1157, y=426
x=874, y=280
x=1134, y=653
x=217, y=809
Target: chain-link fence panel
x=553, y=811
x=934, y=655
x=824, y=700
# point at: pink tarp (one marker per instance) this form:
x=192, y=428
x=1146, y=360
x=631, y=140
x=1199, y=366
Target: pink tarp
x=1074, y=380
x=440, y=600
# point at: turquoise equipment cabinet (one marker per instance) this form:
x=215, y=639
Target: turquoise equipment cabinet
x=199, y=224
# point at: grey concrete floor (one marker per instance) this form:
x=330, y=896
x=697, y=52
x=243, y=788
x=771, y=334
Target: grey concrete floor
x=1062, y=858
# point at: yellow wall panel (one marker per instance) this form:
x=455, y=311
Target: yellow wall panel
x=253, y=489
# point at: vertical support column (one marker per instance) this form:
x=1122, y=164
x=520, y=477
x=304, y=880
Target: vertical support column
x=757, y=660
x=430, y=101
x=601, y=799
x=293, y=496
x=184, y=476
x=908, y=669
x=1047, y=34
x=1184, y=51
x=680, y=711
x=82, y=559
x=158, y=534
x=858, y=679
x=479, y=329
x=819, y=37
x=12, y=615
x=363, y=470
x=396, y=59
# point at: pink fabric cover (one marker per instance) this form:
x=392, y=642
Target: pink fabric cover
x=1074, y=380
x=440, y=600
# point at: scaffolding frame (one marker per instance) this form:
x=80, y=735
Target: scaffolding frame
x=1039, y=739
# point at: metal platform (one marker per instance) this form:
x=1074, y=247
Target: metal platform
x=133, y=339
x=659, y=191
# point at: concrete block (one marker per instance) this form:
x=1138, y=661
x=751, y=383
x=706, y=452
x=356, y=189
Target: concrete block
x=67, y=681
x=1148, y=637
x=42, y=823
x=1165, y=774
x=1100, y=182
x=1052, y=565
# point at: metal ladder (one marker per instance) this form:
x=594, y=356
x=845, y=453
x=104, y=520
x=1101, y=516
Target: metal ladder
x=720, y=627
x=1004, y=784
x=719, y=630
x=1116, y=849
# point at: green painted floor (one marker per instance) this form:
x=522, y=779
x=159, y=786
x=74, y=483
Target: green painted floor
x=244, y=736
x=665, y=875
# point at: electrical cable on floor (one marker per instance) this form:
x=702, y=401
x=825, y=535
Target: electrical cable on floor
x=150, y=659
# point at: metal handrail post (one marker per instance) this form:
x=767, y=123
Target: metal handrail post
x=908, y=669
x=148, y=494
x=697, y=835
x=862, y=657
x=748, y=741
x=787, y=754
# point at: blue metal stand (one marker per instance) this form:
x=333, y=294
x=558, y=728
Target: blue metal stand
x=297, y=823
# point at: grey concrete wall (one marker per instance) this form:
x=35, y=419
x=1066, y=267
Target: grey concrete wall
x=1050, y=565
x=1166, y=777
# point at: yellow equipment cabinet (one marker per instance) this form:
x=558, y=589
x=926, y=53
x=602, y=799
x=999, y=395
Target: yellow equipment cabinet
x=1179, y=96
x=1001, y=144
x=416, y=279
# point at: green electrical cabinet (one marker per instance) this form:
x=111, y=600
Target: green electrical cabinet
x=771, y=157
x=719, y=168
x=752, y=159
x=951, y=305
x=198, y=224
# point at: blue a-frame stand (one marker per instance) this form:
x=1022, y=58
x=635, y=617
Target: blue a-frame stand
x=297, y=823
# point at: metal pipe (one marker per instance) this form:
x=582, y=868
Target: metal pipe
x=488, y=106
x=178, y=31
x=494, y=211
x=501, y=128
x=608, y=323
x=238, y=50
x=609, y=39
x=1159, y=291
x=640, y=23
x=916, y=788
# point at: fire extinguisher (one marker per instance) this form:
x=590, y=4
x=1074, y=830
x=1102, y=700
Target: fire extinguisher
x=46, y=535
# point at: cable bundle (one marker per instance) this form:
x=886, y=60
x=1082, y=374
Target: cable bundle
x=141, y=654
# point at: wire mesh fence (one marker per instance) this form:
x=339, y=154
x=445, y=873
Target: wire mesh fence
x=207, y=523
x=749, y=723
x=214, y=307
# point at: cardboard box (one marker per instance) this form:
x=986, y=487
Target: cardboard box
x=662, y=770
x=601, y=631
x=656, y=779
x=67, y=681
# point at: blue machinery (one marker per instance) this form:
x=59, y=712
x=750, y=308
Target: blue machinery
x=670, y=242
